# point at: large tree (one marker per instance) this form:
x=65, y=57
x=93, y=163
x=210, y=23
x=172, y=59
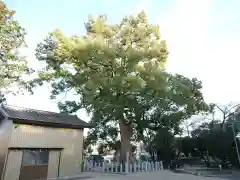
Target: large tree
x=117, y=73
x=12, y=65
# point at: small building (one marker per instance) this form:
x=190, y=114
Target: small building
x=38, y=144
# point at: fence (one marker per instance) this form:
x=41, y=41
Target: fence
x=114, y=167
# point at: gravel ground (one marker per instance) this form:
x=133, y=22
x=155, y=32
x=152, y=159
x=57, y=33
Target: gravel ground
x=160, y=175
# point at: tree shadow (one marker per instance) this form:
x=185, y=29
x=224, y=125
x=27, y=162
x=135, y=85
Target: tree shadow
x=212, y=173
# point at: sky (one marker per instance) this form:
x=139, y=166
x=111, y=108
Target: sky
x=203, y=38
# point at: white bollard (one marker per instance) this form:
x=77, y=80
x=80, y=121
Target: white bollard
x=103, y=167
x=107, y=167
x=116, y=167
x=158, y=166
x=90, y=165
x=112, y=167
x=121, y=168
x=126, y=168
x=153, y=169
x=85, y=165
x=220, y=167
x=130, y=168
x=127, y=163
x=161, y=165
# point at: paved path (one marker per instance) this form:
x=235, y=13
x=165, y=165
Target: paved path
x=160, y=175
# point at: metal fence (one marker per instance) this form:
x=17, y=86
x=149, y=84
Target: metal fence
x=115, y=167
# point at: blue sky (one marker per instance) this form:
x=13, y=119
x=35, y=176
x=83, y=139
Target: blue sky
x=203, y=38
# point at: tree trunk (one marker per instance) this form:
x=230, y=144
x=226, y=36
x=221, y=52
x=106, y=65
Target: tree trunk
x=126, y=135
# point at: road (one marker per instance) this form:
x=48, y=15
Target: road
x=159, y=175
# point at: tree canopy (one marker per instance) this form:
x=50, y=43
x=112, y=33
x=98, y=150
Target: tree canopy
x=117, y=72
x=12, y=65
x=210, y=141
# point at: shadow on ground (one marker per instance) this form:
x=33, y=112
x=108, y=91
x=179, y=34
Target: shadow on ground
x=225, y=175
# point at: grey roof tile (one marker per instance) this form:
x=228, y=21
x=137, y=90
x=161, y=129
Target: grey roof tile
x=34, y=116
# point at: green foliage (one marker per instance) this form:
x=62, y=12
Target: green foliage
x=162, y=144
x=143, y=158
x=102, y=149
x=117, y=71
x=12, y=66
x=208, y=140
x=89, y=150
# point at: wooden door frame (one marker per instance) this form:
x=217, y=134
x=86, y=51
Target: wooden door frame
x=5, y=166
x=59, y=160
x=22, y=149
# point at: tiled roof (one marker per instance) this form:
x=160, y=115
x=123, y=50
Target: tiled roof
x=37, y=117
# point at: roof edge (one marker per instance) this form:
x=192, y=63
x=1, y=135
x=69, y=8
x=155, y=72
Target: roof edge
x=44, y=123
x=2, y=110
x=49, y=124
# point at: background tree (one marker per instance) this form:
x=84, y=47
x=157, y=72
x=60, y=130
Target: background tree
x=117, y=72
x=102, y=149
x=212, y=143
x=225, y=112
x=12, y=65
x=162, y=145
x=89, y=150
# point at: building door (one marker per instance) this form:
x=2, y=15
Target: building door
x=13, y=165
x=34, y=165
x=54, y=163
